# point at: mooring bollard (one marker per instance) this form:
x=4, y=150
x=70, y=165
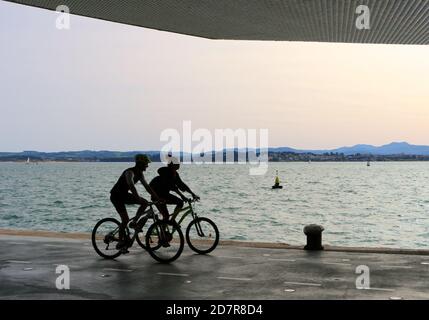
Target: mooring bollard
x=314, y=237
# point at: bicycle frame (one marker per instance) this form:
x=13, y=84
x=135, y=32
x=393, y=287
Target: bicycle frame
x=187, y=210
x=147, y=214
x=150, y=213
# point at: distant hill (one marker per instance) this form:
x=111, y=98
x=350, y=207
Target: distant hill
x=85, y=155
x=391, y=148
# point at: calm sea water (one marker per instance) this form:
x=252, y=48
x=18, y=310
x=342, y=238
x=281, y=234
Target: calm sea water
x=386, y=204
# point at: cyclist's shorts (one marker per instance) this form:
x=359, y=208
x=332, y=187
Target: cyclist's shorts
x=171, y=199
x=120, y=200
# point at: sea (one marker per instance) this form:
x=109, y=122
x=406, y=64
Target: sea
x=385, y=204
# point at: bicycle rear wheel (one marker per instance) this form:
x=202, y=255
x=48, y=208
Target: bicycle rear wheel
x=202, y=235
x=105, y=237
x=165, y=241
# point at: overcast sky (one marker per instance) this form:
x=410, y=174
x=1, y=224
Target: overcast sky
x=103, y=85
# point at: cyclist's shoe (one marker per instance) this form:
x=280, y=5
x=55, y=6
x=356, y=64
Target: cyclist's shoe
x=141, y=223
x=122, y=247
x=124, y=250
x=165, y=244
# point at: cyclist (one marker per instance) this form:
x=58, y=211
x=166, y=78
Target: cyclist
x=168, y=179
x=124, y=192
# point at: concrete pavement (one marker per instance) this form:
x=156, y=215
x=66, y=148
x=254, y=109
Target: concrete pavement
x=28, y=265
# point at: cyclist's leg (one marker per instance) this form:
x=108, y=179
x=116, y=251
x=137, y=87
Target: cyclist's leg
x=143, y=205
x=129, y=198
x=140, y=211
x=172, y=199
x=119, y=205
x=162, y=207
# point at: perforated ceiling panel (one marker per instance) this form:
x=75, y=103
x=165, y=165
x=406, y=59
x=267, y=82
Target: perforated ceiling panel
x=390, y=21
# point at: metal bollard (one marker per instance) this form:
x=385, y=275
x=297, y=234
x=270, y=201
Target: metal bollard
x=314, y=237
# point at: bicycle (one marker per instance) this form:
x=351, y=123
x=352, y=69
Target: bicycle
x=161, y=240
x=202, y=234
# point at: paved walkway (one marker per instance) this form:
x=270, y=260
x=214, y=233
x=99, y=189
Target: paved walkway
x=28, y=264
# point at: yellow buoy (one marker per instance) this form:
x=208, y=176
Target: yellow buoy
x=277, y=182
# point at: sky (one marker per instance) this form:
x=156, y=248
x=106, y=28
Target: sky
x=108, y=86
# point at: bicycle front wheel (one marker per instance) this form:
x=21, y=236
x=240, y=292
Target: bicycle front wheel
x=105, y=237
x=202, y=235
x=164, y=241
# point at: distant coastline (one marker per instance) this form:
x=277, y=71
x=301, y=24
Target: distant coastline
x=340, y=157
x=395, y=151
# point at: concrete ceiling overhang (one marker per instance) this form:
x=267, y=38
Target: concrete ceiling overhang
x=390, y=21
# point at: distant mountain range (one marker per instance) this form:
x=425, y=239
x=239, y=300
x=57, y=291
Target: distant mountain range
x=394, y=148
x=387, y=149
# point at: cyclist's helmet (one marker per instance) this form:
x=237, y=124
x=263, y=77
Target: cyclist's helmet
x=142, y=158
x=173, y=162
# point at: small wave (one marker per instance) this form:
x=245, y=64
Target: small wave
x=10, y=217
x=350, y=191
x=91, y=206
x=43, y=211
x=424, y=235
x=238, y=238
x=338, y=233
x=232, y=208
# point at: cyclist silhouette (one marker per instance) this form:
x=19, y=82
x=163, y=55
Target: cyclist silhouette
x=168, y=179
x=124, y=192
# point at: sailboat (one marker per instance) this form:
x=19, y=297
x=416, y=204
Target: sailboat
x=28, y=161
x=368, y=163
